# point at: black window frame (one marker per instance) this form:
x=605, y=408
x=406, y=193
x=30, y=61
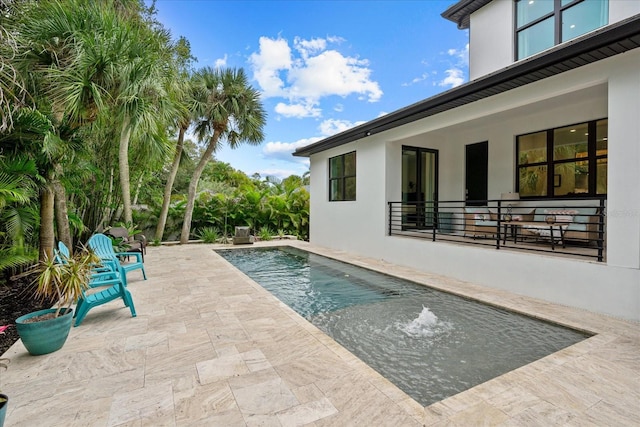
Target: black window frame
x=558, y=9
x=343, y=177
x=592, y=159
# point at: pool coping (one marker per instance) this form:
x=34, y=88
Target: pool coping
x=602, y=328
x=233, y=354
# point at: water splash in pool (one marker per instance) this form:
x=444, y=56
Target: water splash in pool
x=426, y=324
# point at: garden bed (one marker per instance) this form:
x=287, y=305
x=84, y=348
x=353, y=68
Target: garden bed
x=15, y=301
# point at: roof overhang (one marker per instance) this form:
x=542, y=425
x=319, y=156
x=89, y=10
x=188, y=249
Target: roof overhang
x=598, y=45
x=460, y=12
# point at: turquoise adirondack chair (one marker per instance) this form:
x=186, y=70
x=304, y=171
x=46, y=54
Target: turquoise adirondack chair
x=63, y=252
x=102, y=246
x=114, y=283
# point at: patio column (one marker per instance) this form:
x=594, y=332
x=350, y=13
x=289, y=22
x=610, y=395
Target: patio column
x=623, y=199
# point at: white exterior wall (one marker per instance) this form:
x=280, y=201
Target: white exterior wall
x=624, y=163
x=491, y=35
x=608, y=88
x=491, y=38
x=622, y=9
x=344, y=221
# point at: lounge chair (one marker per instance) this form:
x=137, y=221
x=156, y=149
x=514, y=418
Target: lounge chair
x=137, y=243
x=64, y=252
x=479, y=222
x=103, y=247
x=114, y=283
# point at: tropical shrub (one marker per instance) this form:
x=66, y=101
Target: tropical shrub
x=208, y=235
x=265, y=233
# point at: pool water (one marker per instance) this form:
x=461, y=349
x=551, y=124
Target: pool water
x=429, y=343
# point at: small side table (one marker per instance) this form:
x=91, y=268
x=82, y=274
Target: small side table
x=516, y=225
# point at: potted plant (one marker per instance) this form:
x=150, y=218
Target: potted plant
x=4, y=399
x=63, y=280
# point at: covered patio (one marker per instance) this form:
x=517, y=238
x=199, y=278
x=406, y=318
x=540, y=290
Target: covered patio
x=211, y=347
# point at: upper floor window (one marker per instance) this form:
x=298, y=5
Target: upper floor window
x=541, y=24
x=342, y=177
x=562, y=162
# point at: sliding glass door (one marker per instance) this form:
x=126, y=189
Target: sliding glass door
x=419, y=186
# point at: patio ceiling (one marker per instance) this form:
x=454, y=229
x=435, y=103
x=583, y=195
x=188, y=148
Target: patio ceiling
x=606, y=42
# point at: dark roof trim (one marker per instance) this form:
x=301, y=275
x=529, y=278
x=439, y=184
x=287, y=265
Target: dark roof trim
x=460, y=12
x=600, y=44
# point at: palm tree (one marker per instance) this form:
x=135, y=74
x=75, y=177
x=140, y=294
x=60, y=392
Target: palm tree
x=185, y=109
x=32, y=138
x=18, y=214
x=12, y=91
x=86, y=60
x=66, y=62
x=143, y=97
x=227, y=109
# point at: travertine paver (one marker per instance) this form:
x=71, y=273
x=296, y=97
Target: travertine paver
x=211, y=347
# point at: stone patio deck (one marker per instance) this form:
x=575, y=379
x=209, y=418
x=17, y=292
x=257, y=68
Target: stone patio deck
x=210, y=347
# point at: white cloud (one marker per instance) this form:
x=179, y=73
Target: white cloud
x=309, y=72
x=220, y=62
x=333, y=126
x=423, y=77
x=456, y=74
x=461, y=55
x=274, y=57
x=455, y=77
x=339, y=108
x=284, y=150
x=331, y=73
x=297, y=110
x=457, y=63
x=307, y=47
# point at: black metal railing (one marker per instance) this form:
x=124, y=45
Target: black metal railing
x=569, y=227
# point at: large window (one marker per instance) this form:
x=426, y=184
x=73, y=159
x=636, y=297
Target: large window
x=342, y=177
x=541, y=24
x=563, y=162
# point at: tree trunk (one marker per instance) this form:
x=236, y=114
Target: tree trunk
x=106, y=215
x=166, y=199
x=47, y=236
x=123, y=163
x=193, y=187
x=61, y=214
x=137, y=193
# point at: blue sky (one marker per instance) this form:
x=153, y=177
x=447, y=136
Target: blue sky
x=321, y=66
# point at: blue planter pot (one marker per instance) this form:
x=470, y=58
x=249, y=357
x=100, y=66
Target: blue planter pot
x=45, y=336
x=4, y=401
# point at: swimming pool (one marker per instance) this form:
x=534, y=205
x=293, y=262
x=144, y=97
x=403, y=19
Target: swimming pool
x=429, y=343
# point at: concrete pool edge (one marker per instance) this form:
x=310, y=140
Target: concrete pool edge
x=527, y=306
x=180, y=367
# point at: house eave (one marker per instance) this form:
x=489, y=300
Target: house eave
x=461, y=11
x=603, y=43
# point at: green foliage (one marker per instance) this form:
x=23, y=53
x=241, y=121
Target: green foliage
x=119, y=245
x=63, y=281
x=80, y=68
x=208, y=235
x=265, y=233
x=273, y=204
x=18, y=212
x=132, y=229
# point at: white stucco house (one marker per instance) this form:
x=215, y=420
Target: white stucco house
x=554, y=84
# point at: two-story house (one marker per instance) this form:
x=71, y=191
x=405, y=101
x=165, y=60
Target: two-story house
x=550, y=117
